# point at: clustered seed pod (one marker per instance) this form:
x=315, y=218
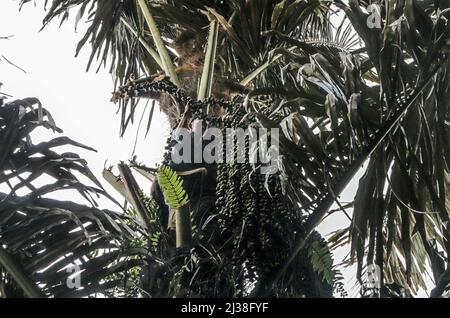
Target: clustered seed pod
x=197, y=109
x=252, y=210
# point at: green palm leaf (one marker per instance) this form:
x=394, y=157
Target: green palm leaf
x=172, y=185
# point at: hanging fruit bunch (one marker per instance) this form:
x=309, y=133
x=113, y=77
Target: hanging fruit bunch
x=255, y=219
x=252, y=208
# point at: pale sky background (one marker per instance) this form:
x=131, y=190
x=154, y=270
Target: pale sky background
x=80, y=103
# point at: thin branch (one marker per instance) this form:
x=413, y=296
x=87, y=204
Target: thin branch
x=250, y=77
x=168, y=65
x=4, y=94
x=18, y=67
x=206, y=81
x=146, y=46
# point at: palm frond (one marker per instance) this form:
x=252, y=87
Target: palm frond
x=41, y=237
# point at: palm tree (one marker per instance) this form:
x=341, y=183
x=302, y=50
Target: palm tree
x=343, y=93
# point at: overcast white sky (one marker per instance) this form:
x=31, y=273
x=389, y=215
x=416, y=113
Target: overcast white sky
x=80, y=101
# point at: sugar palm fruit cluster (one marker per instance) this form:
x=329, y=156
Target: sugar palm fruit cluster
x=256, y=226
x=148, y=87
x=253, y=211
